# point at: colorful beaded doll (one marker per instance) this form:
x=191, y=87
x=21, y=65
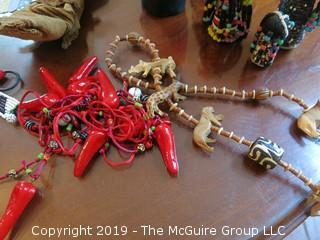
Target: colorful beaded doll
x=227, y=20
x=299, y=17
x=273, y=30
x=299, y=11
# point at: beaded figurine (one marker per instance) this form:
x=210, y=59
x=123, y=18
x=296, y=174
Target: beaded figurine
x=285, y=31
x=227, y=20
x=272, y=32
x=299, y=11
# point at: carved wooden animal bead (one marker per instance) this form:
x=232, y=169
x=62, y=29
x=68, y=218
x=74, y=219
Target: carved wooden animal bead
x=266, y=153
x=158, y=97
x=203, y=129
x=309, y=121
x=156, y=69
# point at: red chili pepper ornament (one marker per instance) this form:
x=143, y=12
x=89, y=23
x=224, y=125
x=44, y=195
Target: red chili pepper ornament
x=109, y=93
x=79, y=87
x=55, y=93
x=53, y=86
x=84, y=70
x=94, y=142
x=164, y=136
x=21, y=196
x=36, y=105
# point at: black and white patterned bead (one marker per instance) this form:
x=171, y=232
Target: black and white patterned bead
x=83, y=135
x=144, y=98
x=29, y=124
x=266, y=153
x=8, y=106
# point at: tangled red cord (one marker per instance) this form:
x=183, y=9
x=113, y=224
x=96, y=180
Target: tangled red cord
x=74, y=116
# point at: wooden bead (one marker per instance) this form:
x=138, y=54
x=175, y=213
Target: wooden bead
x=266, y=153
x=133, y=38
x=262, y=94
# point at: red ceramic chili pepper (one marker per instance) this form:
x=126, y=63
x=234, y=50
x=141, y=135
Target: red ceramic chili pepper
x=55, y=92
x=51, y=83
x=78, y=87
x=21, y=196
x=164, y=136
x=94, y=142
x=84, y=70
x=36, y=105
x=109, y=94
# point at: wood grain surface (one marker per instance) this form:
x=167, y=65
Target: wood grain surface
x=218, y=189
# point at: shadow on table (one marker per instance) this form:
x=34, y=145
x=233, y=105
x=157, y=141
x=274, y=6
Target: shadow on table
x=170, y=34
x=215, y=58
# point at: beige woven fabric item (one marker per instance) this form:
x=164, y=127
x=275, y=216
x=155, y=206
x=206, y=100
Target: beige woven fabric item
x=45, y=20
x=315, y=211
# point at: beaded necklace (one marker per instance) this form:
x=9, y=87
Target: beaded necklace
x=263, y=151
x=92, y=113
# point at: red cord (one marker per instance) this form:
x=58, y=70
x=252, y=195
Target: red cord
x=126, y=125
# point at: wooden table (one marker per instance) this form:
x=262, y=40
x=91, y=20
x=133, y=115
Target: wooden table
x=215, y=190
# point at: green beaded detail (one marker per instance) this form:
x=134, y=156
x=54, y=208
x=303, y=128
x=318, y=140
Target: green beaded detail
x=138, y=105
x=280, y=42
x=40, y=156
x=69, y=127
x=45, y=110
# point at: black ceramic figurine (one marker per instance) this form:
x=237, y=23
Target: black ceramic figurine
x=227, y=20
x=300, y=12
x=271, y=35
x=164, y=8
